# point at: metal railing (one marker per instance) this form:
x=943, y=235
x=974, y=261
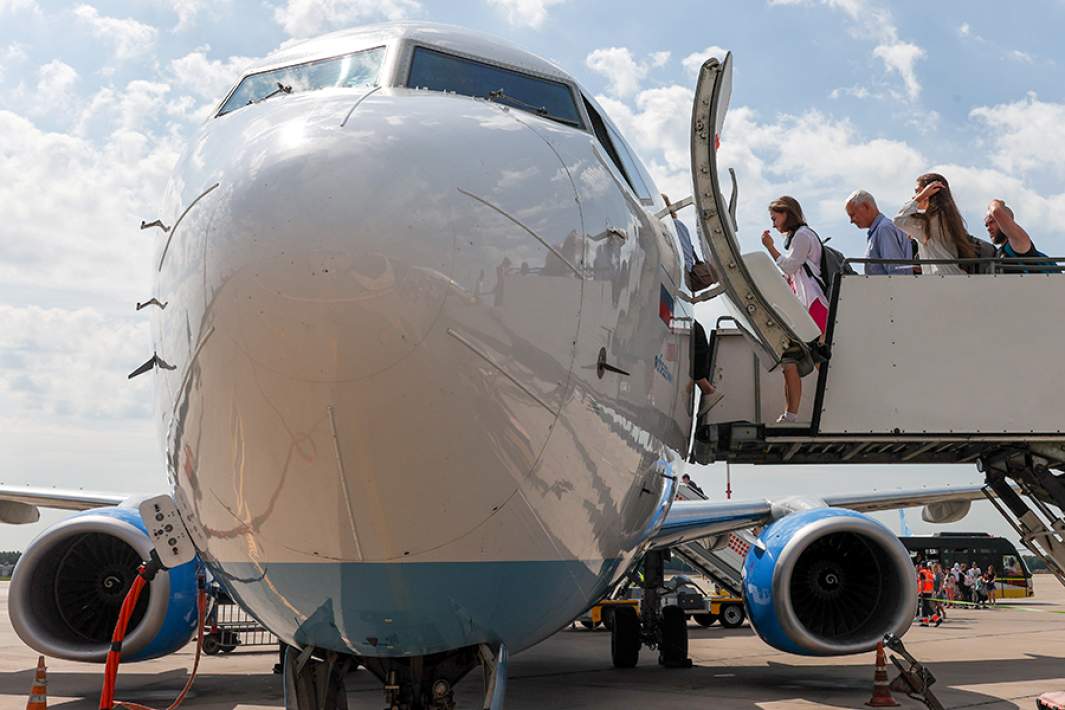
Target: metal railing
x=993, y=265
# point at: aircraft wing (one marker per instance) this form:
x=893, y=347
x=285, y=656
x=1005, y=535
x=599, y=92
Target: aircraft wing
x=58, y=497
x=693, y=519
x=892, y=500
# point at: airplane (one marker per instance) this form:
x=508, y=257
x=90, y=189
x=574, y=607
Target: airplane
x=421, y=348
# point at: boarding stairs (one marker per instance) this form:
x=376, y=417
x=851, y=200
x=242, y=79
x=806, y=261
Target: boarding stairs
x=1041, y=530
x=718, y=557
x=915, y=368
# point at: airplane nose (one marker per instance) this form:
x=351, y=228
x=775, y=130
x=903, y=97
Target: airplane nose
x=394, y=306
x=334, y=250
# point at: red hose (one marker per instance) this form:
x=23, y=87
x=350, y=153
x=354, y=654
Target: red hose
x=107, y=696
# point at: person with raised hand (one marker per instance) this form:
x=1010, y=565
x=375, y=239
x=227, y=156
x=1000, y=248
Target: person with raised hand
x=932, y=219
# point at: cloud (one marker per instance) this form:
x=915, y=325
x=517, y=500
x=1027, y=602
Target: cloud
x=858, y=92
x=206, y=78
x=1019, y=56
x=1027, y=136
x=13, y=6
x=128, y=37
x=72, y=364
x=55, y=81
x=622, y=71
x=188, y=11
x=694, y=61
x=525, y=13
x=72, y=205
x=900, y=57
x=303, y=18
x=11, y=56
x=870, y=21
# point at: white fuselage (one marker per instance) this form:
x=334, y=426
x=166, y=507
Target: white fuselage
x=385, y=309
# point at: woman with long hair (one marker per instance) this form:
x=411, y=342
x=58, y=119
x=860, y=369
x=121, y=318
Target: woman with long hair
x=932, y=219
x=801, y=264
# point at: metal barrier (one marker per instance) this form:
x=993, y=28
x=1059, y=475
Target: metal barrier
x=228, y=627
x=995, y=265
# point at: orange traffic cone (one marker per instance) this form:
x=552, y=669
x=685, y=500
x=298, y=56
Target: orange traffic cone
x=39, y=692
x=881, y=693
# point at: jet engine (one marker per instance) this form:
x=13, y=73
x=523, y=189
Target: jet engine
x=69, y=584
x=828, y=582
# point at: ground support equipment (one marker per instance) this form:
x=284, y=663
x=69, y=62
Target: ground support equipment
x=1042, y=530
x=229, y=627
x=914, y=678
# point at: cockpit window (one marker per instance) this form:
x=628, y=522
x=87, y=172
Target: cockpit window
x=443, y=72
x=356, y=69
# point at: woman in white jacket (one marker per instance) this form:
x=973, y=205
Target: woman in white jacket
x=932, y=219
x=801, y=264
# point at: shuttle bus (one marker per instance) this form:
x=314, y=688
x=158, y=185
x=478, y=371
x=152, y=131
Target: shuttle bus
x=1012, y=576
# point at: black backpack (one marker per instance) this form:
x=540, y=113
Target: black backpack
x=982, y=250
x=833, y=263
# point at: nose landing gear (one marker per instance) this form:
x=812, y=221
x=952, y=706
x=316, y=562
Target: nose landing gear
x=663, y=628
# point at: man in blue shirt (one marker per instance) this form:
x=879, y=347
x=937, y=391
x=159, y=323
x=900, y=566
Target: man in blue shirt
x=885, y=240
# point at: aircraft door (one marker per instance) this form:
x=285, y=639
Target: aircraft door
x=774, y=328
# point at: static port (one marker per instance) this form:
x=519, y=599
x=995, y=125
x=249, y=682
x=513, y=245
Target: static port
x=171, y=541
x=159, y=516
x=169, y=528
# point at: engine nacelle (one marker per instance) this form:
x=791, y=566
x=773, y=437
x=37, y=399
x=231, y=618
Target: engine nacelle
x=69, y=584
x=828, y=582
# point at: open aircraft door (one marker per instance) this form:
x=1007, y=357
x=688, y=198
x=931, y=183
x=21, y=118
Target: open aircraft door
x=772, y=318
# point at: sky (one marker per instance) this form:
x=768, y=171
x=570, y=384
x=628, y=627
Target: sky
x=829, y=96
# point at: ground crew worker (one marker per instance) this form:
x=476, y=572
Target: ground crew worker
x=926, y=587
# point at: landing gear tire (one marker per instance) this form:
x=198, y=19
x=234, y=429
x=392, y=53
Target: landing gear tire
x=705, y=620
x=313, y=684
x=608, y=619
x=625, y=638
x=733, y=616
x=673, y=648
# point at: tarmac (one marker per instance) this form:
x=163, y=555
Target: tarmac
x=987, y=659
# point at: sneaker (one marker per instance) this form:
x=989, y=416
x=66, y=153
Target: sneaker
x=707, y=401
x=787, y=418
x=939, y=620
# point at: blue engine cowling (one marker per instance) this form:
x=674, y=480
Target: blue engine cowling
x=69, y=584
x=828, y=582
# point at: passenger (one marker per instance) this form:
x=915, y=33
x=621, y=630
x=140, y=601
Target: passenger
x=932, y=219
x=1011, y=240
x=950, y=585
x=980, y=590
x=687, y=480
x=883, y=240
x=989, y=584
x=698, y=276
x=801, y=264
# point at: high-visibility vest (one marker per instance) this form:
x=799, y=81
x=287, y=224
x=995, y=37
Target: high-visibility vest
x=925, y=582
